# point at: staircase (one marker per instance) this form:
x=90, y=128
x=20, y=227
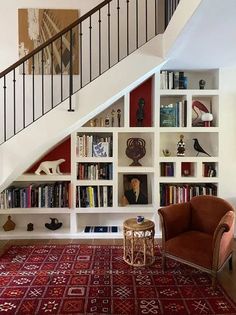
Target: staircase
x=76, y=97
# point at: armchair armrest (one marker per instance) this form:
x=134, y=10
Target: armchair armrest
x=175, y=219
x=223, y=239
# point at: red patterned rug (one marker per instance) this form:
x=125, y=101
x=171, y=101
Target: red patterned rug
x=82, y=279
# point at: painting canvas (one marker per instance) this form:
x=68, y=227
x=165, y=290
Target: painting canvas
x=129, y=188
x=37, y=26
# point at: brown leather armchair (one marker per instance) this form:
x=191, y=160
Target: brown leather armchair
x=199, y=233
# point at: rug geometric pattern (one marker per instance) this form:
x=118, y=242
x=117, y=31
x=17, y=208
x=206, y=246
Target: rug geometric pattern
x=83, y=279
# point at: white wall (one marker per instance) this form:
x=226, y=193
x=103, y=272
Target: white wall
x=9, y=22
x=21, y=100
x=227, y=139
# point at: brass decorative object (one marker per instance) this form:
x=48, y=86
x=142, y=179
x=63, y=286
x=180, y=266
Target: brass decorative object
x=166, y=152
x=135, y=150
x=9, y=225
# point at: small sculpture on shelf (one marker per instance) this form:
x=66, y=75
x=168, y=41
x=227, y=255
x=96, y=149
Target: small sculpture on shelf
x=166, y=152
x=118, y=116
x=101, y=122
x=30, y=227
x=202, y=84
x=198, y=147
x=140, y=112
x=107, y=121
x=112, y=117
x=135, y=150
x=207, y=118
x=9, y=225
x=181, y=146
x=198, y=109
x=93, y=122
x=50, y=167
x=54, y=224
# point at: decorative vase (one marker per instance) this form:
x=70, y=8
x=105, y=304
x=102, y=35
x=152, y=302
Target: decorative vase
x=140, y=219
x=9, y=225
x=135, y=150
x=54, y=224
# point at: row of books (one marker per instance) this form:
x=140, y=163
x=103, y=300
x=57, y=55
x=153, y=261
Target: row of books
x=174, y=115
x=94, y=145
x=209, y=169
x=177, y=193
x=94, y=171
x=167, y=168
x=54, y=195
x=94, y=196
x=173, y=80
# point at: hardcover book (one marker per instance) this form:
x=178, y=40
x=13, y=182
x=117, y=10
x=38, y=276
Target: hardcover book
x=101, y=149
x=169, y=115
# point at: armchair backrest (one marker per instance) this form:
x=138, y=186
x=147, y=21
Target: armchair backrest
x=207, y=212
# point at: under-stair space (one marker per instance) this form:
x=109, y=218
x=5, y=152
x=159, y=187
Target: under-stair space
x=127, y=58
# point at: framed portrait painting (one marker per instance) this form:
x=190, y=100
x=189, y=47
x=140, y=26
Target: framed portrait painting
x=135, y=188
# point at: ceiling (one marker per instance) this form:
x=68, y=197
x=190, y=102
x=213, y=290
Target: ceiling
x=208, y=40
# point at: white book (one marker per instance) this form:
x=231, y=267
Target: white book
x=39, y=196
x=181, y=114
x=80, y=147
x=98, y=193
x=104, y=196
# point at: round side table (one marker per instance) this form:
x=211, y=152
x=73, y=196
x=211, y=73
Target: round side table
x=139, y=242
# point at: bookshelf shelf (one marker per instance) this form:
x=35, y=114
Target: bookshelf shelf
x=43, y=178
x=176, y=177
x=35, y=211
x=184, y=92
x=128, y=209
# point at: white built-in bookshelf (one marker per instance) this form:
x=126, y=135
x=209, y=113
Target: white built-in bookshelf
x=95, y=187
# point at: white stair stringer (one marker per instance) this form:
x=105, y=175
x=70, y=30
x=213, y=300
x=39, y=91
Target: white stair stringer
x=21, y=151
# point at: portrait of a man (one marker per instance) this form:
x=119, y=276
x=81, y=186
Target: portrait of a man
x=135, y=189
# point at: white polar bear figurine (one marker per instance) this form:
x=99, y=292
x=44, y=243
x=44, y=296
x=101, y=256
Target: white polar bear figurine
x=46, y=166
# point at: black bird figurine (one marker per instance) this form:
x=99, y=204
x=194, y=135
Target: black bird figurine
x=198, y=148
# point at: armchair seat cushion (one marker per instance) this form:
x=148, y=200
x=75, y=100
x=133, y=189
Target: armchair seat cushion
x=192, y=246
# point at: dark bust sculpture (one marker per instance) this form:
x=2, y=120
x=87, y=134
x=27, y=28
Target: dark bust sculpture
x=202, y=84
x=140, y=112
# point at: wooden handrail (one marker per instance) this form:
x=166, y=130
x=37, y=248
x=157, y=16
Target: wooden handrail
x=55, y=37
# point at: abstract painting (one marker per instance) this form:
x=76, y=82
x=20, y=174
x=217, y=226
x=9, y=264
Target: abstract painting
x=36, y=26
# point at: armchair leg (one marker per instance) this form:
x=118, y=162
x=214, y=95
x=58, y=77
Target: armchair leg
x=163, y=262
x=231, y=263
x=213, y=281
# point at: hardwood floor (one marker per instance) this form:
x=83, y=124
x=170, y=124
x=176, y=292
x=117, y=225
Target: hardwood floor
x=226, y=277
